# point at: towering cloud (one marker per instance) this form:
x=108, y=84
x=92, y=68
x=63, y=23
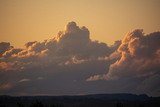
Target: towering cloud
x=140, y=56
x=139, y=60
x=68, y=58
x=67, y=63
x=74, y=42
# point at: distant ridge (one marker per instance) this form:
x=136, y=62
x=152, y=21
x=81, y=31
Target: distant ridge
x=91, y=100
x=114, y=96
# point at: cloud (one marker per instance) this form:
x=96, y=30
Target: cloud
x=73, y=42
x=5, y=86
x=96, y=77
x=68, y=57
x=137, y=58
x=4, y=46
x=24, y=80
x=140, y=52
x=72, y=63
x=10, y=52
x=150, y=85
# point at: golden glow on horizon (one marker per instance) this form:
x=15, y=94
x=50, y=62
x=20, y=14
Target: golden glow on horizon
x=107, y=20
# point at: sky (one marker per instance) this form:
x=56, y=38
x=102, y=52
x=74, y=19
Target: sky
x=79, y=47
x=108, y=20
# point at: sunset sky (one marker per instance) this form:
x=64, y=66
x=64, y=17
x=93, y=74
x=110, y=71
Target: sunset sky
x=108, y=20
x=77, y=47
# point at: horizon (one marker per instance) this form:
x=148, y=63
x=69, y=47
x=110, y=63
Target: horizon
x=80, y=95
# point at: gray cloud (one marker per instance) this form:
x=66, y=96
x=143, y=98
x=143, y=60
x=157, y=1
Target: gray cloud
x=140, y=52
x=138, y=58
x=4, y=46
x=150, y=85
x=74, y=42
x=64, y=61
x=72, y=63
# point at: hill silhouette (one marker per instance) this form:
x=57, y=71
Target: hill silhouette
x=95, y=100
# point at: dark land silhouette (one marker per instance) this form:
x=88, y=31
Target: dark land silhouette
x=96, y=100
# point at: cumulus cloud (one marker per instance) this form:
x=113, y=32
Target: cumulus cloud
x=74, y=42
x=68, y=62
x=137, y=57
x=4, y=46
x=140, y=52
x=69, y=56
